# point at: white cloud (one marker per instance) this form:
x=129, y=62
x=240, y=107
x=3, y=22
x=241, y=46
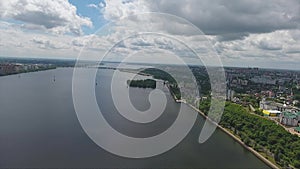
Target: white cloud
x=243, y=33
x=275, y=49
x=16, y=42
x=46, y=43
x=97, y=6
x=93, y=6
x=229, y=17
x=118, y=9
x=57, y=16
x=268, y=44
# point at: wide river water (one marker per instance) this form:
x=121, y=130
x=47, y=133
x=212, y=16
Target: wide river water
x=39, y=129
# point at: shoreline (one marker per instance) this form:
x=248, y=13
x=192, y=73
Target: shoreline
x=18, y=73
x=235, y=138
x=250, y=149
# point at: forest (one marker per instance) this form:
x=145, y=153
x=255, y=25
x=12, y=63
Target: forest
x=262, y=134
x=169, y=80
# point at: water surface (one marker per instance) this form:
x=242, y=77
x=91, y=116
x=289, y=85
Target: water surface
x=39, y=128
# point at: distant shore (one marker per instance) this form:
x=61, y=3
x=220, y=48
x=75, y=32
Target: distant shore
x=257, y=154
x=30, y=71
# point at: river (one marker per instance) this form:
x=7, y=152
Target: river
x=39, y=129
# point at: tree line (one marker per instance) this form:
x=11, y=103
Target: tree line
x=263, y=135
x=147, y=83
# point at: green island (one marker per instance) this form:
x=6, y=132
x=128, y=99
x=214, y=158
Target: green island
x=158, y=74
x=147, y=83
x=167, y=78
x=263, y=135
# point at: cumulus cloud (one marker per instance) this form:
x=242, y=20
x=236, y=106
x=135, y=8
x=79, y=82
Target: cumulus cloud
x=229, y=17
x=244, y=33
x=265, y=49
x=113, y=10
x=148, y=42
x=269, y=45
x=93, y=6
x=57, y=16
x=97, y=6
x=232, y=36
x=49, y=44
x=16, y=42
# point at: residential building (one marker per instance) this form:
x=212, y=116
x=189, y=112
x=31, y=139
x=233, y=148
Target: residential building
x=289, y=119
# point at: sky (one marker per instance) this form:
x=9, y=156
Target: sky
x=242, y=33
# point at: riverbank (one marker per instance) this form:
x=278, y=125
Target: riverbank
x=227, y=131
x=28, y=71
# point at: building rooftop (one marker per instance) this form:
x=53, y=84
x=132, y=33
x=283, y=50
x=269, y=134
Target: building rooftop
x=289, y=115
x=268, y=112
x=274, y=111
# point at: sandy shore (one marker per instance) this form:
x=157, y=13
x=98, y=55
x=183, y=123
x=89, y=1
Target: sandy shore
x=262, y=158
